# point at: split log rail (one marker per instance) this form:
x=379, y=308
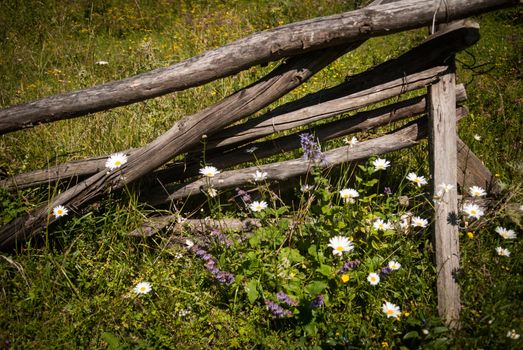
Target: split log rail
x=309, y=46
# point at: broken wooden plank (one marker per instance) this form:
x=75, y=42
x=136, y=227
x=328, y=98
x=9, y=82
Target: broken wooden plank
x=443, y=161
x=472, y=171
x=274, y=44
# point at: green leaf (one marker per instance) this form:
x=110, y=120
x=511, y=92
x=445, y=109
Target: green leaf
x=312, y=250
x=440, y=329
x=411, y=335
x=326, y=270
x=316, y=287
x=252, y=291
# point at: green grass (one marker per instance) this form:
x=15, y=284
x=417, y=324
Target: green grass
x=73, y=288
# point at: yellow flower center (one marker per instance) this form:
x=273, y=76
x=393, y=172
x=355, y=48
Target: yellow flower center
x=143, y=289
x=390, y=312
x=117, y=163
x=473, y=212
x=59, y=211
x=339, y=248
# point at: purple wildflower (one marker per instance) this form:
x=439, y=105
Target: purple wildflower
x=276, y=310
x=317, y=302
x=244, y=195
x=349, y=265
x=387, y=190
x=386, y=270
x=311, y=148
x=221, y=237
x=286, y=299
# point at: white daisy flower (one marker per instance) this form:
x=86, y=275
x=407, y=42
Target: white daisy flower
x=349, y=195
x=60, y=211
x=476, y=191
x=425, y=331
x=373, y=278
x=502, y=251
x=189, y=243
x=352, y=142
x=258, y=206
x=477, y=137
x=394, y=265
x=506, y=233
x=521, y=208
x=101, y=63
x=391, y=310
x=209, y=171
x=306, y=188
x=473, y=210
x=380, y=164
x=381, y=225
x=259, y=175
x=418, y=180
x=419, y=222
x=142, y=288
x=512, y=334
x=340, y=244
x=445, y=188
x=115, y=161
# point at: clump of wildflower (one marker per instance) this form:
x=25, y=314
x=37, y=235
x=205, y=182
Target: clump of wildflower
x=381, y=225
x=512, y=334
x=387, y=191
x=211, y=265
x=349, y=195
x=394, y=265
x=258, y=206
x=317, y=302
x=60, y=211
x=142, y=288
x=244, y=195
x=476, y=191
x=505, y=233
x=311, y=148
x=416, y=221
x=209, y=171
x=276, y=310
x=349, y=265
x=385, y=271
x=391, y=310
x=286, y=299
x=502, y=251
x=473, y=210
x=221, y=237
x=259, y=175
x=380, y=164
x=115, y=161
x=340, y=244
x=418, y=180
x=373, y=278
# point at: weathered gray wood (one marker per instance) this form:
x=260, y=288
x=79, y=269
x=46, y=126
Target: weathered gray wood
x=433, y=51
x=182, y=136
x=257, y=48
x=407, y=136
x=443, y=160
x=472, y=171
x=357, y=123
x=253, y=129
x=153, y=225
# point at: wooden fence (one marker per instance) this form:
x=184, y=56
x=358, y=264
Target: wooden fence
x=309, y=46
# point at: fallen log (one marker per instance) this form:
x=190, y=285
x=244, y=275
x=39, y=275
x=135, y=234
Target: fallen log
x=407, y=136
x=184, y=135
x=274, y=44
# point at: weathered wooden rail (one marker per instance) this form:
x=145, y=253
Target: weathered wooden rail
x=310, y=46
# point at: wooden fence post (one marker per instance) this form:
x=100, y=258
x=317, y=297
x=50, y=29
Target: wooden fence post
x=443, y=161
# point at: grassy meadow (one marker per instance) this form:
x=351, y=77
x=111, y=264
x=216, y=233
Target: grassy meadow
x=280, y=286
